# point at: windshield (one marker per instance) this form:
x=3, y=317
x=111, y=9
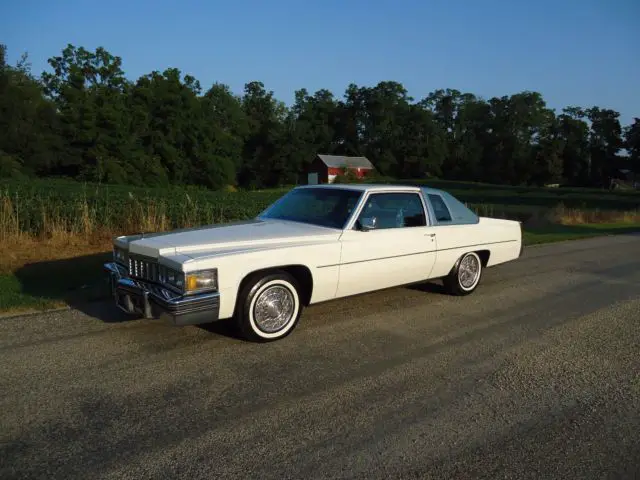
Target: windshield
x=326, y=207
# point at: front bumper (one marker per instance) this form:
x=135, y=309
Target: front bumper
x=153, y=301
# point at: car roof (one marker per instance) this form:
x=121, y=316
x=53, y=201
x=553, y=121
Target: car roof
x=368, y=187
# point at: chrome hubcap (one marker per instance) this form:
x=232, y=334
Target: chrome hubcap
x=468, y=271
x=273, y=309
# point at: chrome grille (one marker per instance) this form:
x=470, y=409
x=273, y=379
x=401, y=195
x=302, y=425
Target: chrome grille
x=144, y=268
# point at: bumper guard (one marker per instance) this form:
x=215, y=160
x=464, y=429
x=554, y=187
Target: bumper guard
x=150, y=300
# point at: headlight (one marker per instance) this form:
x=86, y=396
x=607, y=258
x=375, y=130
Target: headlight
x=120, y=256
x=173, y=278
x=202, y=280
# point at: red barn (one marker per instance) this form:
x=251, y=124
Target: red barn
x=325, y=168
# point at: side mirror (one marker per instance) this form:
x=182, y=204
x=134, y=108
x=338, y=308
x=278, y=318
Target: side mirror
x=368, y=223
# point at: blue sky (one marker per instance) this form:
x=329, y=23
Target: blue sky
x=575, y=52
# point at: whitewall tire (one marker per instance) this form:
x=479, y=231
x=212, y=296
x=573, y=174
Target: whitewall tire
x=465, y=275
x=269, y=307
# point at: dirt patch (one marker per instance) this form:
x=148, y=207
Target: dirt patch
x=18, y=252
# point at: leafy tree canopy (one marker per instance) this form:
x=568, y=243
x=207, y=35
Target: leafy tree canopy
x=84, y=119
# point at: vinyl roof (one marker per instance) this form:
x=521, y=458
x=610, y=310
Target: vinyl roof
x=361, y=187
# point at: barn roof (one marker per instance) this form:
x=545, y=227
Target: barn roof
x=339, y=161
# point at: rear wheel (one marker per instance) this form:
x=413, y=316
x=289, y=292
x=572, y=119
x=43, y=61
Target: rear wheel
x=465, y=275
x=269, y=307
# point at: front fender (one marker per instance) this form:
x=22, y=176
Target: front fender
x=234, y=267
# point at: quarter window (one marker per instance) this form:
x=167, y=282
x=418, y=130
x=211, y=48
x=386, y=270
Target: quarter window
x=439, y=208
x=393, y=210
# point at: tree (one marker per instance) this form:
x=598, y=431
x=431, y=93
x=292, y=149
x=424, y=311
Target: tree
x=89, y=90
x=464, y=120
x=228, y=122
x=605, y=142
x=84, y=119
x=29, y=137
x=310, y=128
x=423, y=152
x=548, y=152
x=574, y=132
x=632, y=144
x=181, y=131
x=264, y=165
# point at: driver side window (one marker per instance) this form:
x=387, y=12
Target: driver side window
x=392, y=210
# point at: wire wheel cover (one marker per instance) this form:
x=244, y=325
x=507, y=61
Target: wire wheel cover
x=273, y=308
x=468, y=271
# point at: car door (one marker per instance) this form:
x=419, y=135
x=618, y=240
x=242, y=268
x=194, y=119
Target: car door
x=391, y=243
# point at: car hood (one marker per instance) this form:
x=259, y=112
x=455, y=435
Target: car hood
x=245, y=235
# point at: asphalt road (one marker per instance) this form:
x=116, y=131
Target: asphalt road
x=535, y=375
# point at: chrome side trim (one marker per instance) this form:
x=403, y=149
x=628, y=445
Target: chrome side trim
x=417, y=253
x=476, y=245
x=377, y=259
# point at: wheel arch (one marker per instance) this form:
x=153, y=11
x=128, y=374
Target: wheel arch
x=483, y=254
x=301, y=273
x=484, y=257
x=451, y=281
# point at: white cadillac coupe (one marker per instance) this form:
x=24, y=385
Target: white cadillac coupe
x=314, y=244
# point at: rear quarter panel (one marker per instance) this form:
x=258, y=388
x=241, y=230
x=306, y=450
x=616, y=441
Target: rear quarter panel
x=502, y=238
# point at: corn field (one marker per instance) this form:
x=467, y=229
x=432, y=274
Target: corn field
x=57, y=209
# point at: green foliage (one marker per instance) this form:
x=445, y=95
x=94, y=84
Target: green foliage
x=10, y=167
x=349, y=176
x=75, y=206
x=632, y=143
x=40, y=206
x=84, y=119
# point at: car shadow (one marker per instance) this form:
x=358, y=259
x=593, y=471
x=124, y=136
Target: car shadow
x=225, y=328
x=81, y=283
x=78, y=282
x=429, y=287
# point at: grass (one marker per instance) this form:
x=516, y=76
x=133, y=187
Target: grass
x=46, y=274
x=559, y=232
x=54, y=235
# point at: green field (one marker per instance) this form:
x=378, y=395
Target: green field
x=38, y=207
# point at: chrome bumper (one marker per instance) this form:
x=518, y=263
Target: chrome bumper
x=153, y=301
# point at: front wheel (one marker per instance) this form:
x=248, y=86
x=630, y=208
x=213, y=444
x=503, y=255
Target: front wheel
x=465, y=275
x=269, y=307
